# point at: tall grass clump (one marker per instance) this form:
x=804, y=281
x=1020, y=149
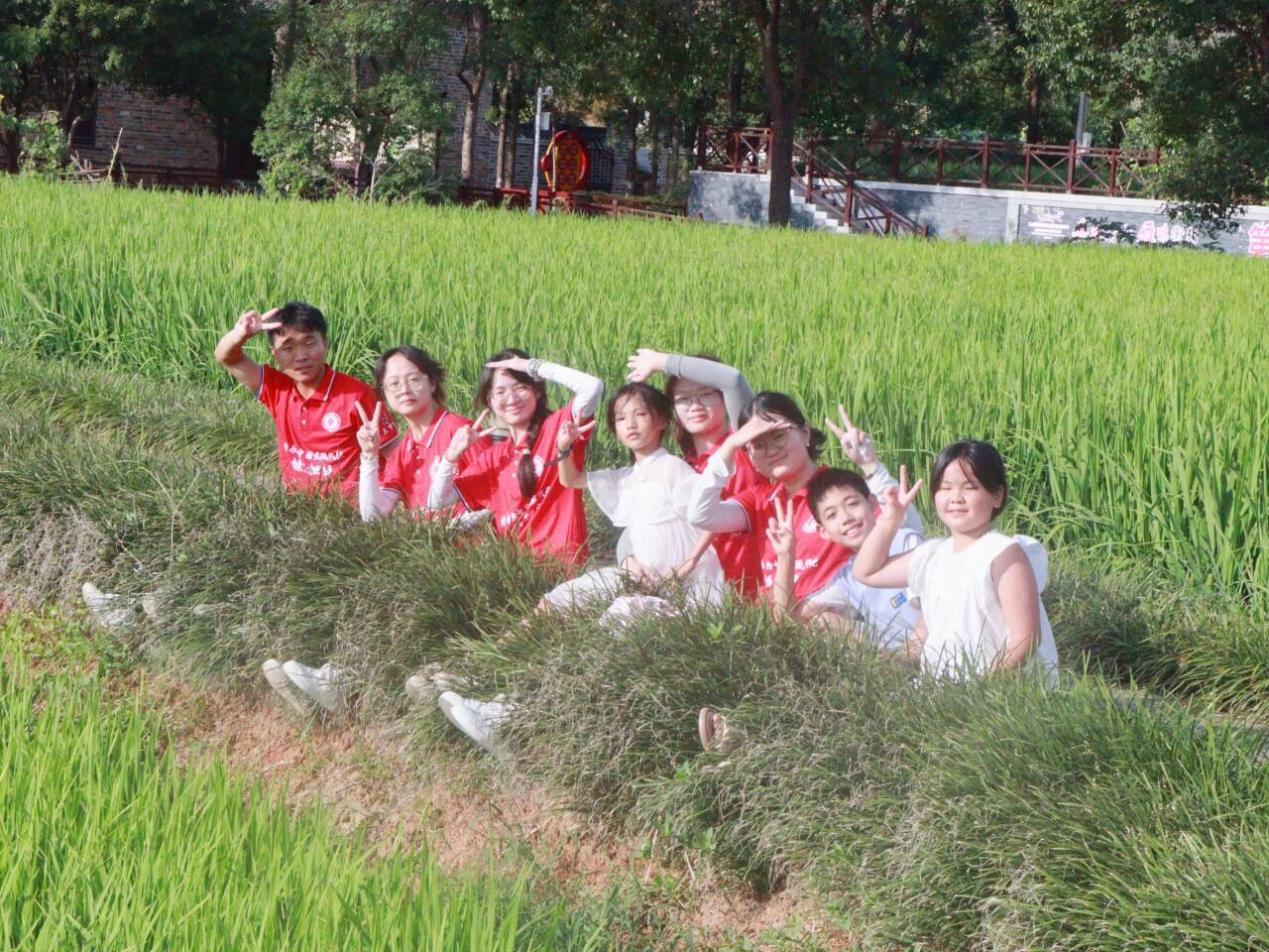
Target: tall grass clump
x=997, y=815
x=107, y=844
x=1125, y=389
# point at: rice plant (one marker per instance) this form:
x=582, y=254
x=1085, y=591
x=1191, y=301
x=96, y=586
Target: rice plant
x=1125, y=388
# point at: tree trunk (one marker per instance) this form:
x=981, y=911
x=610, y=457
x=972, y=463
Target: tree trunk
x=632, y=147
x=513, y=138
x=12, y=148
x=784, y=95
x=1035, y=100
x=654, y=122
x=672, y=155
x=477, y=25
x=780, y=165
x=735, y=89
x=504, y=132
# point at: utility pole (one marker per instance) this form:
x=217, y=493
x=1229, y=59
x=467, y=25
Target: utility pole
x=543, y=91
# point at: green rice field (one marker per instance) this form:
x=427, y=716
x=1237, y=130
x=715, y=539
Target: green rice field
x=1128, y=809
x=1126, y=389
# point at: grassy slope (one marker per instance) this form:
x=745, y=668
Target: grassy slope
x=107, y=844
x=1125, y=387
x=996, y=815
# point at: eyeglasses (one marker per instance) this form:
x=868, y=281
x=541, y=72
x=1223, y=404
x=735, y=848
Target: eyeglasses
x=770, y=445
x=701, y=399
x=412, y=384
x=503, y=394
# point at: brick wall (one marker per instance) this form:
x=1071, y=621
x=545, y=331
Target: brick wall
x=167, y=133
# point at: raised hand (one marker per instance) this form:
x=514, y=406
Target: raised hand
x=570, y=433
x=758, y=427
x=368, y=434
x=517, y=364
x=251, y=323
x=465, y=437
x=895, y=500
x=856, y=444
x=780, y=528
x=643, y=363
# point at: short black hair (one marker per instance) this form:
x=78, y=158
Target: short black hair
x=769, y=405
x=299, y=315
x=833, y=478
x=421, y=359
x=983, y=460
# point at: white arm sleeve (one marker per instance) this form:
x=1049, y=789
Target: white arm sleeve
x=442, y=493
x=706, y=509
x=587, y=390
x=727, y=379
x=879, y=482
x=374, y=501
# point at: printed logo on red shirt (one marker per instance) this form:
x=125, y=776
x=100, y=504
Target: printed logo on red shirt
x=331, y=422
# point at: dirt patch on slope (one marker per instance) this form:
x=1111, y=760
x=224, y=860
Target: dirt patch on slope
x=377, y=779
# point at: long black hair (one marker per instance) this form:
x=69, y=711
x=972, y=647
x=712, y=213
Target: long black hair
x=771, y=405
x=526, y=475
x=656, y=403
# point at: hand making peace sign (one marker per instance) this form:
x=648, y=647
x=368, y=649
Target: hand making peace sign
x=251, y=323
x=569, y=434
x=895, y=500
x=465, y=437
x=780, y=528
x=856, y=444
x=368, y=435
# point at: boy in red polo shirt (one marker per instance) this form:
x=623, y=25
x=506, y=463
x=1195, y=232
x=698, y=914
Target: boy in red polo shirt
x=313, y=406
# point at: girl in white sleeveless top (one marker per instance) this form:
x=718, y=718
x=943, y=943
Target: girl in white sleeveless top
x=978, y=589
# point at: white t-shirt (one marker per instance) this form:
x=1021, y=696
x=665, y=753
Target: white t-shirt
x=887, y=613
x=963, y=615
x=649, y=501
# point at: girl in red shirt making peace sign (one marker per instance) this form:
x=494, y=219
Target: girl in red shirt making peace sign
x=518, y=478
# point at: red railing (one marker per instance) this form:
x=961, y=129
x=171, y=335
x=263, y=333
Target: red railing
x=986, y=162
x=580, y=203
x=827, y=184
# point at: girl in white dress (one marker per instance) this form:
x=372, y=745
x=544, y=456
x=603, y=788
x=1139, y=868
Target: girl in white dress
x=657, y=549
x=978, y=589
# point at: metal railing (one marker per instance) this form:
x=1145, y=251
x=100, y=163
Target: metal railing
x=986, y=162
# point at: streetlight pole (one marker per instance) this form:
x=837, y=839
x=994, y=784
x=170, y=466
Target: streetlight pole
x=543, y=91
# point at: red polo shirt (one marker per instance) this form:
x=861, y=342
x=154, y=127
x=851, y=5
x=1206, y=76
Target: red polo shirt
x=408, y=470
x=553, y=520
x=317, y=437
x=738, y=552
x=817, y=559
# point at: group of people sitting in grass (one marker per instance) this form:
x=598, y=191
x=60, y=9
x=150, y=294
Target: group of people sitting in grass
x=744, y=510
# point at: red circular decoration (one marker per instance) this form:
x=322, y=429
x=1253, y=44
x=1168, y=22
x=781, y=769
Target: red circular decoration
x=566, y=162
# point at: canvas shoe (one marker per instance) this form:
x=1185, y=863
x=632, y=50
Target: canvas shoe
x=110, y=610
x=280, y=683
x=325, y=685
x=426, y=686
x=479, y=720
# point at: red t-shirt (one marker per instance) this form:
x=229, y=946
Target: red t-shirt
x=408, y=470
x=738, y=552
x=817, y=559
x=317, y=437
x=552, y=521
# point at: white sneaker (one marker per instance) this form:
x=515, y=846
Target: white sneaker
x=325, y=685
x=479, y=720
x=429, y=684
x=110, y=610
x=278, y=680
